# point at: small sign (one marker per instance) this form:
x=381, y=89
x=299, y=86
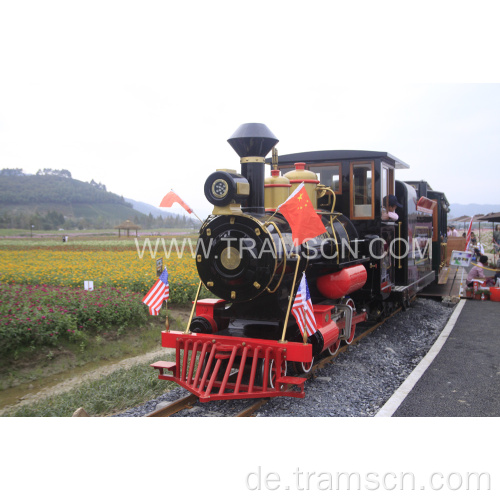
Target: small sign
x=159, y=266
x=461, y=259
x=88, y=285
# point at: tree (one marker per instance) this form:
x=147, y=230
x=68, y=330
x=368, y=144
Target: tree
x=58, y=173
x=97, y=185
x=12, y=172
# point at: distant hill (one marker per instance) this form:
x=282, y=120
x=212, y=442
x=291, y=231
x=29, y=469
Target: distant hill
x=52, y=199
x=457, y=209
x=145, y=208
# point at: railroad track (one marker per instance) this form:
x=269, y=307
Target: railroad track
x=175, y=407
x=188, y=401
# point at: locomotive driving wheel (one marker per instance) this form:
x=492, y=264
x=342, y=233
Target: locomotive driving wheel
x=303, y=367
x=350, y=338
x=333, y=349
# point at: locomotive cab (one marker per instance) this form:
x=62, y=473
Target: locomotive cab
x=361, y=182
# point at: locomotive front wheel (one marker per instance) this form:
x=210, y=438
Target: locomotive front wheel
x=221, y=371
x=199, y=324
x=272, y=374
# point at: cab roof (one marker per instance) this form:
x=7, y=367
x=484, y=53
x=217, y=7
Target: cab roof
x=338, y=155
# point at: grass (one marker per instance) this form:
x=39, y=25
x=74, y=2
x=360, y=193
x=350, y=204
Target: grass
x=122, y=389
x=34, y=365
x=109, y=394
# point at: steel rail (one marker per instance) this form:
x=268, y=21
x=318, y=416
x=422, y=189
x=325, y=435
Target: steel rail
x=175, y=407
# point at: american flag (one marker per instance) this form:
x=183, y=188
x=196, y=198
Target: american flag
x=160, y=292
x=302, y=309
x=467, y=241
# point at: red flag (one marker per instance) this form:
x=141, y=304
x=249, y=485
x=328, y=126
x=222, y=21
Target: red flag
x=299, y=212
x=469, y=231
x=425, y=205
x=172, y=198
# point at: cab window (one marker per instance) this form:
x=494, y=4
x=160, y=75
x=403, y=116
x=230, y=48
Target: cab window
x=362, y=190
x=330, y=175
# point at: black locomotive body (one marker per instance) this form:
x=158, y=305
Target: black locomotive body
x=368, y=261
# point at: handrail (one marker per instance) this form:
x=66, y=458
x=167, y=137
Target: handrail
x=284, y=256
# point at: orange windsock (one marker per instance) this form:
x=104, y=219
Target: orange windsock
x=170, y=198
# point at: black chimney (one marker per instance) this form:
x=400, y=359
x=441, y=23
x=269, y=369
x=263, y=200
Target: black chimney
x=252, y=142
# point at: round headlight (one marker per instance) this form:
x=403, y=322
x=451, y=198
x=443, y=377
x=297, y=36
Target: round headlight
x=223, y=188
x=220, y=188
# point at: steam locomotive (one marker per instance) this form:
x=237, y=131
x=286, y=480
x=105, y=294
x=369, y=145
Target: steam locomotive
x=372, y=258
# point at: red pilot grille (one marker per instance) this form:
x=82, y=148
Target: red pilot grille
x=231, y=368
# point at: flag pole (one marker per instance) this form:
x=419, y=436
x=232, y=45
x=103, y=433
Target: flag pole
x=267, y=223
x=194, y=213
x=282, y=341
x=167, y=322
x=193, y=309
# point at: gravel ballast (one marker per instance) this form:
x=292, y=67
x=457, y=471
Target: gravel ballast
x=356, y=384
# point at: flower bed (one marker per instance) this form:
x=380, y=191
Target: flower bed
x=43, y=315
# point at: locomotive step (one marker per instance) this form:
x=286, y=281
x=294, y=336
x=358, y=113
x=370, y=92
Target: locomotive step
x=164, y=365
x=299, y=381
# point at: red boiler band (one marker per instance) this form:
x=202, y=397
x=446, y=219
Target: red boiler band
x=337, y=285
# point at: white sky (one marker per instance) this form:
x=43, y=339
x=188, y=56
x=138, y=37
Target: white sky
x=142, y=96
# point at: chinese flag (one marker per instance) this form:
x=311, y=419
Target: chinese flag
x=300, y=214
x=172, y=198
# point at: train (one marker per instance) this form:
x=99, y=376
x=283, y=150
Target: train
x=381, y=243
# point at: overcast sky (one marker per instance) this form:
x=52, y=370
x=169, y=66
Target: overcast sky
x=142, y=96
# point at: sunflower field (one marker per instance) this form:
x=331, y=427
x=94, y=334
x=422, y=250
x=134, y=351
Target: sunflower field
x=122, y=265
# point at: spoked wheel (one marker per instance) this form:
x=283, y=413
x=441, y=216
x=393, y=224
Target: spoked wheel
x=333, y=349
x=349, y=340
x=273, y=372
x=303, y=367
x=351, y=336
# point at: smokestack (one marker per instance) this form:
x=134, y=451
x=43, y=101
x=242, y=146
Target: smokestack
x=252, y=142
